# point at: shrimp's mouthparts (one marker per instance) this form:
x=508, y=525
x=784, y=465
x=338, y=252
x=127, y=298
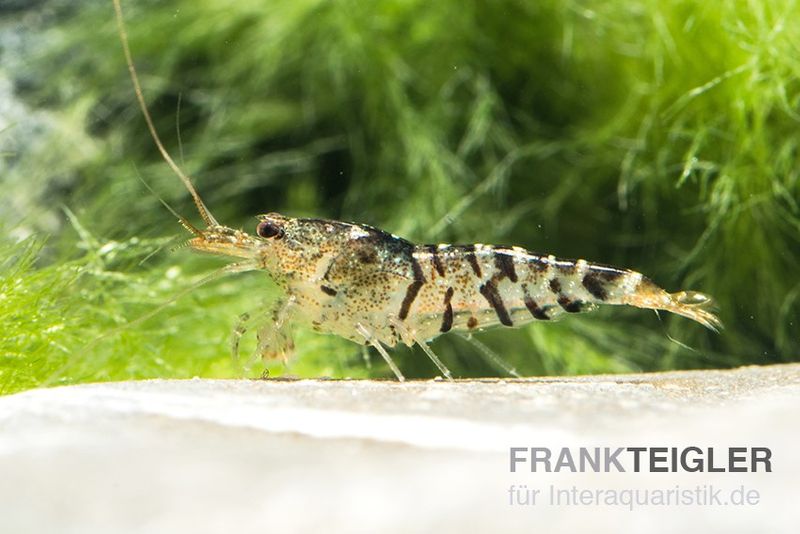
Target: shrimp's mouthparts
x=224, y=241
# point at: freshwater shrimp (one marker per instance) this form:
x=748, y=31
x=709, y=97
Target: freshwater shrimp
x=375, y=288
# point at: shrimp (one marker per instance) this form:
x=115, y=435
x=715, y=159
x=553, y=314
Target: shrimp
x=378, y=289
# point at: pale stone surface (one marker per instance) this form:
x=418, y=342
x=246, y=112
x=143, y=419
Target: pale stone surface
x=316, y=455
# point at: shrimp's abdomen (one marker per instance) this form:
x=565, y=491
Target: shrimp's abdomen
x=469, y=287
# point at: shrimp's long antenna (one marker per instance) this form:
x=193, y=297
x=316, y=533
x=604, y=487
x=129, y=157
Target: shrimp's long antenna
x=123, y=36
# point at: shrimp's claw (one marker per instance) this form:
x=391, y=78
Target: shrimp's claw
x=696, y=306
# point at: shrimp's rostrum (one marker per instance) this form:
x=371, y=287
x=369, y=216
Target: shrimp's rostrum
x=375, y=288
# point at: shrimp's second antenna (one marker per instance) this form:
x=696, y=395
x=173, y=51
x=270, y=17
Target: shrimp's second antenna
x=375, y=288
x=201, y=207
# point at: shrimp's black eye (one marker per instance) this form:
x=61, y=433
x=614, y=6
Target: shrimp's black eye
x=268, y=230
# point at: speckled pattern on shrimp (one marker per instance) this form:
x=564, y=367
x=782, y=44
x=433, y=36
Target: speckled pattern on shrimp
x=369, y=286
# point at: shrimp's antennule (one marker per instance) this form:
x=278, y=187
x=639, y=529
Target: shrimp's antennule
x=123, y=35
x=181, y=219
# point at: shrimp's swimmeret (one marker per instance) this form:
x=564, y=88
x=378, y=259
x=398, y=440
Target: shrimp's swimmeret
x=375, y=288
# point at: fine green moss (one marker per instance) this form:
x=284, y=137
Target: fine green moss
x=657, y=135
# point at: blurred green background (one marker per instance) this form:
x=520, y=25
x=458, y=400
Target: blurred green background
x=659, y=135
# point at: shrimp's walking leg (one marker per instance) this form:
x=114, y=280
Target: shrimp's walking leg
x=273, y=337
x=365, y=357
x=239, y=330
x=490, y=356
x=434, y=358
x=377, y=344
x=274, y=340
x=405, y=333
